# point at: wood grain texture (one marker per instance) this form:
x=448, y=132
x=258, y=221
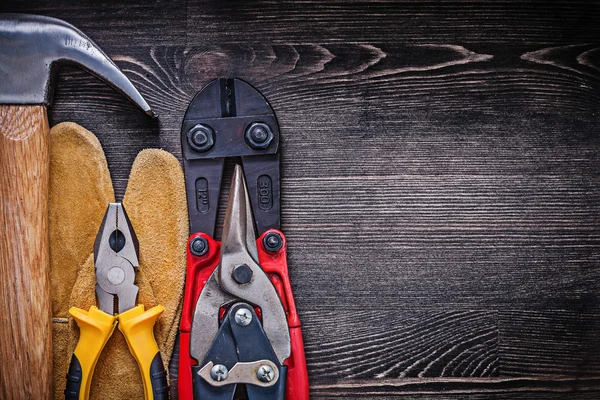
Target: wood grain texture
x=440, y=175
x=438, y=388
x=25, y=311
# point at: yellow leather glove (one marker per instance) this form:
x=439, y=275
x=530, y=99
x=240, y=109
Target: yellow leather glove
x=80, y=190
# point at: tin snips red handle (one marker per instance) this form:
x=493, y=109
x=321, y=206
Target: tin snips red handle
x=274, y=263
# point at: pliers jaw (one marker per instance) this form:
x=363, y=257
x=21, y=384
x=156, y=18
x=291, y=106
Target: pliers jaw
x=115, y=259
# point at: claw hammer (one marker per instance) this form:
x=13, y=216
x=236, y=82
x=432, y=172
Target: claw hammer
x=31, y=47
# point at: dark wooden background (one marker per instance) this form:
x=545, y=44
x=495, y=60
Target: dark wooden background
x=440, y=174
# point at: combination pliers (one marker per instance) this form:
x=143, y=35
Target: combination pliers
x=115, y=259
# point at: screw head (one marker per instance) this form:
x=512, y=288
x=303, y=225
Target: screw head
x=272, y=242
x=242, y=274
x=219, y=372
x=265, y=373
x=201, y=137
x=199, y=246
x=243, y=317
x=259, y=135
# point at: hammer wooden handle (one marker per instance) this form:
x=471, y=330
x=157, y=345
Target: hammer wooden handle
x=25, y=312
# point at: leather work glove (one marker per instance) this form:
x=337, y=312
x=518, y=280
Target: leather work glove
x=80, y=190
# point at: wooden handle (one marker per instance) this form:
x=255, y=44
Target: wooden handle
x=25, y=313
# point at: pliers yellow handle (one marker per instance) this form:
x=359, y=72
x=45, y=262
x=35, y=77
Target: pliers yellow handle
x=137, y=327
x=96, y=327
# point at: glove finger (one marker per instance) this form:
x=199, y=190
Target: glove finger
x=156, y=205
x=80, y=189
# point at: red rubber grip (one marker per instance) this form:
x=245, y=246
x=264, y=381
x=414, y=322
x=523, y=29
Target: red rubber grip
x=275, y=266
x=198, y=272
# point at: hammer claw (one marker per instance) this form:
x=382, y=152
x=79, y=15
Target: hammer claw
x=32, y=45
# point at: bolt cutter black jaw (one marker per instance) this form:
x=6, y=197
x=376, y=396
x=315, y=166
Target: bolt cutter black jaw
x=230, y=118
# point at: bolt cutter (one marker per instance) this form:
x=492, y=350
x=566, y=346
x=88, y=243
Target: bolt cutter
x=239, y=327
x=115, y=260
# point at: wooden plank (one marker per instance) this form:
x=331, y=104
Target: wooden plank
x=135, y=23
x=448, y=21
x=378, y=343
x=563, y=342
x=482, y=388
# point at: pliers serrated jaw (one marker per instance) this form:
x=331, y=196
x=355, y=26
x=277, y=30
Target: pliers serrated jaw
x=115, y=259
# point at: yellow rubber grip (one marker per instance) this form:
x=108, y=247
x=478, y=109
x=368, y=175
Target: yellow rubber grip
x=137, y=326
x=95, y=328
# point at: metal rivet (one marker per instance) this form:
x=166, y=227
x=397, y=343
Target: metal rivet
x=242, y=274
x=265, y=373
x=219, y=372
x=272, y=242
x=259, y=135
x=201, y=137
x=199, y=246
x=243, y=317
x=116, y=275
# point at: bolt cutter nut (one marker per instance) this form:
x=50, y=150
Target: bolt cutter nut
x=199, y=246
x=272, y=242
x=201, y=137
x=259, y=135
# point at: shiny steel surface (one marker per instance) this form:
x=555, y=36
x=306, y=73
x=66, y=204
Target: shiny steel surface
x=115, y=270
x=243, y=372
x=33, y=46
x=238, y=247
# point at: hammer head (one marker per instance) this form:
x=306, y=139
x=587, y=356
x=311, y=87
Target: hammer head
x=33, y=46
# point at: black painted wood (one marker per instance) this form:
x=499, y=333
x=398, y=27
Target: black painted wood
x=440, y=174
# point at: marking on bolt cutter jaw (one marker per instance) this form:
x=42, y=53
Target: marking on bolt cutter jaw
x=202, y=200
x=264, y=188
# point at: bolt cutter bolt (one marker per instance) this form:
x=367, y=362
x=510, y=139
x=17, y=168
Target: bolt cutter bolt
x=265, y=373
x=199, y=246
x=201, y=137
x=219, y=372
x=259, y=135
x=243, y=317
x=272, y=242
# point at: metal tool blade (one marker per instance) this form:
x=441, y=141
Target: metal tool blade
x=115, y=258
x=238, y=247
